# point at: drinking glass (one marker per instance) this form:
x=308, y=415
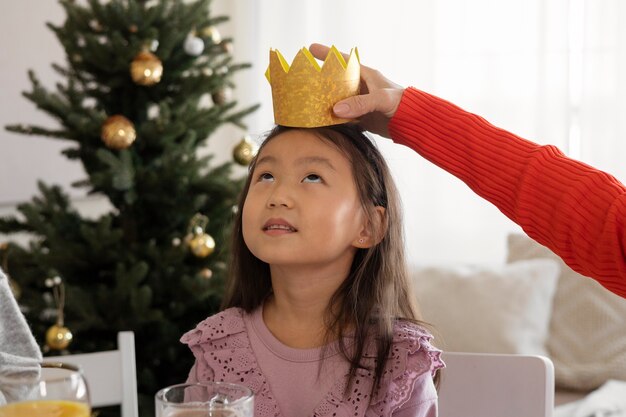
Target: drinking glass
x=210, y=399
x=60, y=391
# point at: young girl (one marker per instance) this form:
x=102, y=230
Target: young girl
x=319, y=315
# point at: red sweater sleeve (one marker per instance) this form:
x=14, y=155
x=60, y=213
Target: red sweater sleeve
x=575, y=210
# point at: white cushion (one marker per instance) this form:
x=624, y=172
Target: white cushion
x=499, y=309
x=587, y=338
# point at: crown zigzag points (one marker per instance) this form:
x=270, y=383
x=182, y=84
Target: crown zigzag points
x=304, y=93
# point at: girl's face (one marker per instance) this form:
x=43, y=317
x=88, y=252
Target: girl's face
x=302, y=208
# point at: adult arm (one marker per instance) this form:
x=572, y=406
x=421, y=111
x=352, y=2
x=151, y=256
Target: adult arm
x=577, y=211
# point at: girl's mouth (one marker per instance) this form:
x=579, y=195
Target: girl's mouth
x=278, y=226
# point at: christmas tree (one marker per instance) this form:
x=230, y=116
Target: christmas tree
x=145, y=85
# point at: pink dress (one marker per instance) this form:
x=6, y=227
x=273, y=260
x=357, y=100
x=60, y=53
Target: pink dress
x=236, y=347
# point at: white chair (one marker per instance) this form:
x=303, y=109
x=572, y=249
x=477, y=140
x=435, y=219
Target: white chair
x=496, y=385
x=110, y=375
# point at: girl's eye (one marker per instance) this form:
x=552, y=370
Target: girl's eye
x=266, y=176
x=312, y=178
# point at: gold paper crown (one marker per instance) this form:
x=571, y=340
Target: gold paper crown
x=304, y=94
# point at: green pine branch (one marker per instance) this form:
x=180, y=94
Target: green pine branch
x=130, y=268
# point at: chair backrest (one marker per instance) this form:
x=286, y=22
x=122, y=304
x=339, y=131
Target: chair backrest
x=110, y=375
x=496, y=385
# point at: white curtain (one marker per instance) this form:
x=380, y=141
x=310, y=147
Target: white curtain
x=552, y=71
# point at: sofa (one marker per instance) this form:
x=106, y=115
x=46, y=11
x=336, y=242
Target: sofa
x=532, y=304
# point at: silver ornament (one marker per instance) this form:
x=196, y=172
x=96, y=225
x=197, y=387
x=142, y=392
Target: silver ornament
x=194, y=46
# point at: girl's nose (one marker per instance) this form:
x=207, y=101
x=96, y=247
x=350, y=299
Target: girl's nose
x=274, y=204
x=280, y=197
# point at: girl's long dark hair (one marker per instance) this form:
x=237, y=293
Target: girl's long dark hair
x=377, y=290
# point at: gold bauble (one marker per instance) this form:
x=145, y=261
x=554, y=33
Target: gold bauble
x=146, y=68
x=245, y=151
x=221, y=96
x=201, y=244
x=212, y=33
x=95, y=25
x=227, y=47
x=206, y=273
x=58, y=337
x=118, y=132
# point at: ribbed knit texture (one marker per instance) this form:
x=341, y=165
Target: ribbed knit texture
x=575, y=210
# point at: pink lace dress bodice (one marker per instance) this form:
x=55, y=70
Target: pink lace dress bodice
x=223, y=352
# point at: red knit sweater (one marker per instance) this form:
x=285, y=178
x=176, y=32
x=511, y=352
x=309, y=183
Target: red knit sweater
x=575, y=210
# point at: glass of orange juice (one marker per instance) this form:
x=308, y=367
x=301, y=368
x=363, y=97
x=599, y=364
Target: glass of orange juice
x=60, y=391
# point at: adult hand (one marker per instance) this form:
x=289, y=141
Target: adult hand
x=377, y=103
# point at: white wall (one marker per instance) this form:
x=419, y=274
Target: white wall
x=26, y=43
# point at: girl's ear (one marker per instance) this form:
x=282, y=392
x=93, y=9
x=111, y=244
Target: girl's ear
x=373, y=230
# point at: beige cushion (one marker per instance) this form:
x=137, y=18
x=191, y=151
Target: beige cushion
x=587, y=338
x=500, y=309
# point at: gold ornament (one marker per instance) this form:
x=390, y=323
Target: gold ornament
x=206, y=273
x=212, y=33
x=95, y=25
x=221, y=96
x=198, y=241
x=118, y=132
x=133, y=28
x=146, y=69
x=58, y=337
x=227, y=47
x=245, y=151
x=201, y=245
